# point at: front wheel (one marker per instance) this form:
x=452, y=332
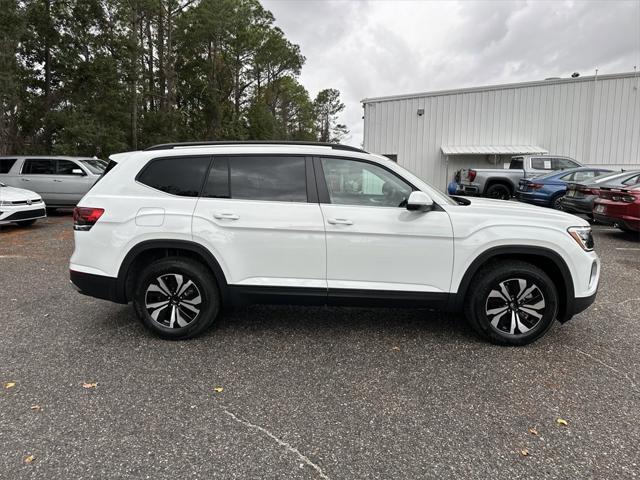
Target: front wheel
x=176, y=298
x=511, y=303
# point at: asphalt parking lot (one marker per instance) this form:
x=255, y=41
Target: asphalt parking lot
x=284, y=392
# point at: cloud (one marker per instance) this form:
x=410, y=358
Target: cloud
x=376, y=48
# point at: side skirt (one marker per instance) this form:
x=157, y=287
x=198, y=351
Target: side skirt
x=247, y=295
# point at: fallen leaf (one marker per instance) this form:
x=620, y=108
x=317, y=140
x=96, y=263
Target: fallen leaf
x=218, y=389
x=561, y=421
x=524, y=452
x=29, y=458
x=36, y=408
x=533, y=431
x=9, y=384
x=90, y=385
x=396, y=348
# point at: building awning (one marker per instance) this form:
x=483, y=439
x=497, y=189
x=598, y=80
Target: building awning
x=492, y=149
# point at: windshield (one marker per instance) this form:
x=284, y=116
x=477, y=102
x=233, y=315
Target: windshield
x=95, y=166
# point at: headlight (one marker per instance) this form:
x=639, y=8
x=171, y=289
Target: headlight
x=583, y=236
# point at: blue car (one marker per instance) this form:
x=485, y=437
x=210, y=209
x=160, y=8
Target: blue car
x=547, y=190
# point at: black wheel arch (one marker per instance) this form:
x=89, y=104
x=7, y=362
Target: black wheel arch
x=548, y=260
x=151, y=250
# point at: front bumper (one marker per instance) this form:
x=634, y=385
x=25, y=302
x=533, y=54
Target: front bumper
x=97, y=286
x=580, y=304
x=19, y=213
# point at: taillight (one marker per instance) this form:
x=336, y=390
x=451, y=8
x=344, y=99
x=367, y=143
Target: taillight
x=589, y=191
x=85, y=217
x=535, y=186
x=629, y=197
x=472, y=175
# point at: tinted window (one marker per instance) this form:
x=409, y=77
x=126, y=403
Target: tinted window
x=218, y=182
x=39, y=167
x=359, y=183
x=178, y=176
x=541, y=164
x=281, y=179
x=6, y=164
x=516, y=163
x=563, y=163
x=66, y=167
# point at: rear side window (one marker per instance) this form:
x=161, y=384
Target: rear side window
x=39, y=166
x=181, y=176
x=563, y=163
x=517, y=163
x=6, y=164
x=270, y=178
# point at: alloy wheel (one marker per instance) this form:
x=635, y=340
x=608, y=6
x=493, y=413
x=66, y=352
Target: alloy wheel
x=515, y=307
x=173, y=300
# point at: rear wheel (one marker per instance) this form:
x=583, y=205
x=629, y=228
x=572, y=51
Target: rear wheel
x=556, y=202
x=511, y=303
x=499, y=191
x=26, y=223
x=176, y=298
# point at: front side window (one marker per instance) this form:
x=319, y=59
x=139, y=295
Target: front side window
x=351, y=182
x=6, y=164
x=66, y=167
x=517, y=163
x=541, y=164
x=181, y=176
x=268, y=178
x=39, y=166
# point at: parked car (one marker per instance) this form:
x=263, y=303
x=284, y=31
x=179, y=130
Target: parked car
x=183, y=229
x=620, y=205
x=20, y=206
x=548, y=190
x=61, y=181
x=503, y=183
x=581, y=196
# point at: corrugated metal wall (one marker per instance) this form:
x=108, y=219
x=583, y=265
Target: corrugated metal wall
x=594, y=120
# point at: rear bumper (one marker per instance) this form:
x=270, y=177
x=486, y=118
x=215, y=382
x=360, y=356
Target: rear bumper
x=468, y=189
x=97, y=286
x=535, y=199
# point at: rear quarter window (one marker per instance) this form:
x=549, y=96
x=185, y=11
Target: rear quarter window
x=6, y=164
x=182, y=176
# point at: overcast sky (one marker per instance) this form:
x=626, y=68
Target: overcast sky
x=371, y=48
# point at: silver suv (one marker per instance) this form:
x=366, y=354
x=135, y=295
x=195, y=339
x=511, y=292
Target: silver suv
x=60, y=181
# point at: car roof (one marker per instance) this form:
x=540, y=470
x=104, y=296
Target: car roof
x=47, y=157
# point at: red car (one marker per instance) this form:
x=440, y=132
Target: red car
x=620, y=205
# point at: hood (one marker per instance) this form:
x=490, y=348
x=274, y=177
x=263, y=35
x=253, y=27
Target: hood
x=12, y=194
x=524, y=212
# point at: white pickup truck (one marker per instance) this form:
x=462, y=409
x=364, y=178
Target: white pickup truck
x=503, y=182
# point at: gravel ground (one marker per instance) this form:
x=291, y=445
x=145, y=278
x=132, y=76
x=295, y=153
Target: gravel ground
x=308, y=392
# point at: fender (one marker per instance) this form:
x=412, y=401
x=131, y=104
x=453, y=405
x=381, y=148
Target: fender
x=566, y=308
x=141, y=247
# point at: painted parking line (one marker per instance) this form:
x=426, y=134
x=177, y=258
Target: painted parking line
x=628, y=248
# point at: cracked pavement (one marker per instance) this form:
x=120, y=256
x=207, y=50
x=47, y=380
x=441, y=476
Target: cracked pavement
x=309, y=393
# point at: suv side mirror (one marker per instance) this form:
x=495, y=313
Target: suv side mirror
x=419, y=202
x=77, y=171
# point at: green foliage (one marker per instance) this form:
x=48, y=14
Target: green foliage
x=93, y=77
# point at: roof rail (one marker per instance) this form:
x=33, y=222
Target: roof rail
x=335, y=146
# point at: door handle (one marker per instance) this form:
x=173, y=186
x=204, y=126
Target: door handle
x=25, y=179
x=56, y=180
x=226, y=216
x=339, y=221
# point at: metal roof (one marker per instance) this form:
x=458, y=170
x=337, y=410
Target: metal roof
x=550, y=81
x=492, y=149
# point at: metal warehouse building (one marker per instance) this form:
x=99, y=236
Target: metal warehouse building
x=595, y=120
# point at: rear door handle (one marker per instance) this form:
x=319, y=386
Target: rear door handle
x=339, y=221
x=25, y=179
x=56, y=180
x=226, y=216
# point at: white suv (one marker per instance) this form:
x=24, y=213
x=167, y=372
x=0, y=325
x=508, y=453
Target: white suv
x=182, y=230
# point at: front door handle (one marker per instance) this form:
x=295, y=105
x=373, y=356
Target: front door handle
x=339, y=221
x=226, y=216
x=56, y=180
x=25, y=179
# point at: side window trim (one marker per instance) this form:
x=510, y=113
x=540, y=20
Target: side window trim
x=323, y=190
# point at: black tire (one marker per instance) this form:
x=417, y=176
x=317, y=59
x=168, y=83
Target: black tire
x=180, y=307
x=481, y=300
x=556, y=202
x=26, y=223
x=499, y=191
